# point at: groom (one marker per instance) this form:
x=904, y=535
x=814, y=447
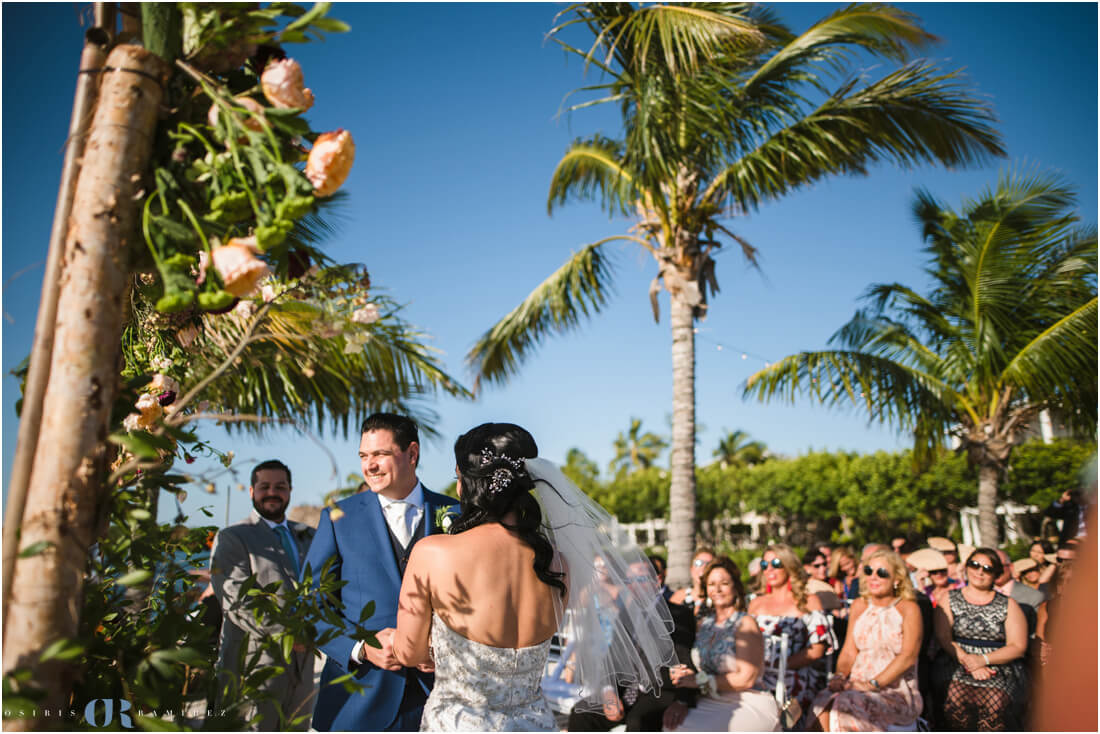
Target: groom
x=371, y=544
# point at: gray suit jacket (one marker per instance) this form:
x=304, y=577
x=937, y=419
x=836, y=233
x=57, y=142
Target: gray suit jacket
x=252, y=548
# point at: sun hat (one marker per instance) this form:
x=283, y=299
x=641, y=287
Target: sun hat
x=941, y=544
x=1024, y=565
x=965, y=551
x=927, y=559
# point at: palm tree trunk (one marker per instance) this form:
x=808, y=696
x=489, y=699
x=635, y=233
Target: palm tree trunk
x=988, y=476
x=681, y=499
x=66, y=478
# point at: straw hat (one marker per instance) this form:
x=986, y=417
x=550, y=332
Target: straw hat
x=1024, y=565
x=927, y=559
x=965, y=551
x=941, y=544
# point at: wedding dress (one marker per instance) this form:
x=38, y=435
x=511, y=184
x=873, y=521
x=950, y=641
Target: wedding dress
x=479, y=687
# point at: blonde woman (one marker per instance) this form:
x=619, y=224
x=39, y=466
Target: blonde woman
x=786, y=607
x=875, y=685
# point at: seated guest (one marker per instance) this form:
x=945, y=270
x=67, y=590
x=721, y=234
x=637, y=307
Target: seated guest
x=844, y=569
x=875, y=686
x=642, y=710
x=983, y=636
x=786, y=608
x=1022, y=593
x=931, y=567
x=692, y=596
x=730, y=652
x=817, y=572
x=950, y=551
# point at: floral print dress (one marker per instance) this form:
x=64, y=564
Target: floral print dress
x=809, y=629
x=878, y=637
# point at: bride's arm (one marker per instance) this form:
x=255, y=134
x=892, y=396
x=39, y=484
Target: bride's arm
x=414, y=607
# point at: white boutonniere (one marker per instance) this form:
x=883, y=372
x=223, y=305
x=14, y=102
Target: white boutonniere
x=445, y=518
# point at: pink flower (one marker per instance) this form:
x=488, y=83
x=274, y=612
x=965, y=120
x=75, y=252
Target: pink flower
x=330, y=161
x=366, y=315
x=284, y=85
x=237, y=264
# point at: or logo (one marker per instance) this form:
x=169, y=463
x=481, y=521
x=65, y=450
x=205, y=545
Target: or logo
x=91, y=711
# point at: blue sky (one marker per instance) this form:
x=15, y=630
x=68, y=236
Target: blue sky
x=454, y=111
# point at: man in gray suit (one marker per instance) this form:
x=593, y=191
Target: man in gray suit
x=271, y=548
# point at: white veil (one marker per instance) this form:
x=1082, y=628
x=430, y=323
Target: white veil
x=614, y=612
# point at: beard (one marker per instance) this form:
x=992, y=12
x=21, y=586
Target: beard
x=271, y=508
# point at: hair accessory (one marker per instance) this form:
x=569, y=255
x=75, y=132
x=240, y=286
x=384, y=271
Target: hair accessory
x=501, y=478
x=488, y=457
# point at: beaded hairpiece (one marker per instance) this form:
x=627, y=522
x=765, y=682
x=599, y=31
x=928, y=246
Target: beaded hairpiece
x=501, y=477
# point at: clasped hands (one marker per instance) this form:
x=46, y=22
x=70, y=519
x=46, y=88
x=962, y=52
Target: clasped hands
x=841, y=682
x=976, y=666
x=383, y=656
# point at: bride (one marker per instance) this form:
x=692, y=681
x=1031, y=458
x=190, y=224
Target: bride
x=483, y=601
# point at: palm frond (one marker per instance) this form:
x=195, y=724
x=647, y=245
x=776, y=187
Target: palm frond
x=1057, y=355
x=880, y=29
x=593, y=169
x=578, y=289
x=309, y=361
x=912, y=115
x=889, y=391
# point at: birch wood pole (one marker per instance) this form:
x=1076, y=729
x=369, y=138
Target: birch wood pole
x=91, y=60
x=67, y=471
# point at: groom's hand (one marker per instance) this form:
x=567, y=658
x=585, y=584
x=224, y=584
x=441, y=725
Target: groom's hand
x=383, y=656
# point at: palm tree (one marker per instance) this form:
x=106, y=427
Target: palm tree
x=735, y=449
x=1007, y=330
x=636, y=450
x=716, y=117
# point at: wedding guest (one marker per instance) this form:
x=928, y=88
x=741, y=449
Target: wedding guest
x=1026, y=572
x=1042, y=553
x=785, y=607
x=730, y=650
x=983, y=634
x=268, y=548
x=935, y=581
x=1022, y=593
x=950, y=551
x=875, y=686
x=369, y=542
x=817, y=571
x=1071, y=511
x=661, y=568
x=844, y=569
x=693, y=595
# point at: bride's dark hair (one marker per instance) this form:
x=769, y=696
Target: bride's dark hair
x=489, y=459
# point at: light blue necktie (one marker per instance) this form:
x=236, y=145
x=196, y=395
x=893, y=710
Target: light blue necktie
x=289, y=546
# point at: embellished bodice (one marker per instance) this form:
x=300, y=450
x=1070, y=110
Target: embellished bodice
x=486, y=688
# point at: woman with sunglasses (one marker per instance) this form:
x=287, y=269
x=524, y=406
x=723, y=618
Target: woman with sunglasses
x=983, y=633
x=875, y=686
x=786, y=607
x=729, y=652
x=693, y=596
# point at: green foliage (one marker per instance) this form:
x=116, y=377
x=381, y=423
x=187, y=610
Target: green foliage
x=636, y=450
x=1041, y=472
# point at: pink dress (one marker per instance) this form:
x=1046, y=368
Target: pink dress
x=878, y=641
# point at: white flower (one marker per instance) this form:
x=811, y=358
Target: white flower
x=160, y=364
x=447, y=522
x=366, y=315
x=162, y=384
x=131, y=422
x=268, y=293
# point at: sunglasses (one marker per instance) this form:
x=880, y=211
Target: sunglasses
x=938, y=571
x=818, y=565
x=775, y=562
x=1064, y=560
x=983, y=566
x=882, y=573
x=699, y=563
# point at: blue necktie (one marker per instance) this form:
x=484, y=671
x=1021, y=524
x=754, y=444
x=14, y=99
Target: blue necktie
x=289, y=546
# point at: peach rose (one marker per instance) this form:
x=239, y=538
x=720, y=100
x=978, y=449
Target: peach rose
x=284, y=85
x=330, y=162
x=237, y=264
x=252, y=122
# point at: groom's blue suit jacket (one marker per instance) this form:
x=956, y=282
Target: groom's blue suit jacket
x=360, y=543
